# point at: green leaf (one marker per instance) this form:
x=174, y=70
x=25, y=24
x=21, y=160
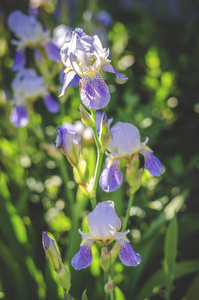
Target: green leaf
x=157, y=280
x=84, y=297
x=170, y=249
x=193, y=290
x=118, y=294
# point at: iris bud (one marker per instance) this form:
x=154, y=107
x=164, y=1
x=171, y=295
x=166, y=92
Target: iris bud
x=51, y=252
x=63, y=278
x=109, y=287
x=105, y=259
x=104, y=134
x=132, y=170
x=86, y=118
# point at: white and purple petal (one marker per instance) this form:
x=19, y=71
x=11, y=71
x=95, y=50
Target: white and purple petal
x=52, y=51
x=127, y=254
x=19, y=116
x=103, y=221
x=51, y=105
x=94, y=92
x=19, y=60
x=152, y=163
x=111, y=177
x=69, y=76
x=108, y=67
x=83, y=257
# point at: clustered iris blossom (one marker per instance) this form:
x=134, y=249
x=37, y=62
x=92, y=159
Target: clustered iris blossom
x=30, y=33
x=104, y=225
x=83, y=55
x=125, y=144
x=28, y=86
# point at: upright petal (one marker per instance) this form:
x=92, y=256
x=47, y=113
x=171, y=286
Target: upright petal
x=19, y=116
x=111, y=178
x=127, y=254
x=51, y=105
x=94, y=92
x=52, y=51
x=83, y=258
x=103, y=222
x=19, y=60
x=152, y=163
x=108, y=67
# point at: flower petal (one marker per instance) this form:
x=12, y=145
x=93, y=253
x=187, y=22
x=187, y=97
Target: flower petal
x=111, y=178
x=152, y=163
x=52, y=51
x=51, y=105
x=19, y=116
x=127, y=254
x=69, y=76
x=108, y=67
x=94, y=92
x=103, y=221
x=19, y=60
x=83, y=257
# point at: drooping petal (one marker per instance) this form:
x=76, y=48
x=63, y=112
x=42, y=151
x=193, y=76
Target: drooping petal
x=51, y=105
x=111, y=178
x=83, y=257
x=103, y=221
x=19, y=60
x=52, y=51
x=108, y=67
x=94, y=92
x=127, y=254
x=19, y=116
x=74, y=82
x=69, y=76
x=152, y=163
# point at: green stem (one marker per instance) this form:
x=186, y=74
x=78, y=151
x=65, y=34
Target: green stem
x=98, y=164
x=67, y=296
x=128, y=212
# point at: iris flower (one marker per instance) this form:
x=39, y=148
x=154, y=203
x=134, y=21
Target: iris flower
x=104, y=225
x=27, y=87
x=30, y=33
x=83, y=55
x=125, y=144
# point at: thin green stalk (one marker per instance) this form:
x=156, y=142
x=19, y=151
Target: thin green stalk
x=128, y=212
x=98, y=164
x=67, y=296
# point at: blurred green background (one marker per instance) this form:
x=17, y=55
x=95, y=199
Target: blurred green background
x=156, y=45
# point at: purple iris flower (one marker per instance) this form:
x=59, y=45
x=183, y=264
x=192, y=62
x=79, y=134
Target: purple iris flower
x=31, y=35
x=27, y=87
x=104, y=225
x=104, y=18
x=125, y=144
x=83, y=55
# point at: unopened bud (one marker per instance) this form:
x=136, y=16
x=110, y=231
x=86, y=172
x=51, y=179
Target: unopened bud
x=86, y=118
x=68, y=143
x=105, y=259
x=81, y=172
x=132, y=170
x=137, y=183
x=51, y=252
x=109, y=287
x=63, y=278
x=104, y=134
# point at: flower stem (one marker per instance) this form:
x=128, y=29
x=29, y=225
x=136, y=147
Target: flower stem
x=100, y=155
x=66, y=295
x=128, y=212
